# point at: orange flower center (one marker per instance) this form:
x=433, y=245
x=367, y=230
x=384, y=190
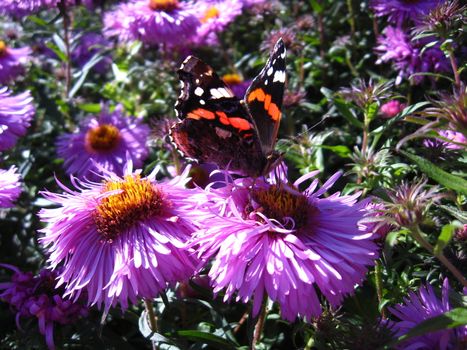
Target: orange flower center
x=2, y=48
x=163, y=5
x=212, y=12
x=137, y=200
x=278, y=203
x=232, y=79
x=105, y=137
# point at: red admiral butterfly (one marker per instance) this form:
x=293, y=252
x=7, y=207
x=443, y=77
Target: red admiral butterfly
x=216, y=127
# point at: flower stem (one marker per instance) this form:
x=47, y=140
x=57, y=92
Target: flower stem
x=419, y=236
x=351, y=18
x=241, y=322
x=259, y=325
x=455, y=70
x=66, y=38
x=152, y=318
x=379, y=286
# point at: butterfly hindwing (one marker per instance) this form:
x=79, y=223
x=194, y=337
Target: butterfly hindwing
x=264, y=97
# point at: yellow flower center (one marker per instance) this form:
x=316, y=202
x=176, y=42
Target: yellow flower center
x=163, y=5
x=2, y=48
x=232, y=79
x=212, y=12
x=278, y=203
x=138, y=200
x=105, y=137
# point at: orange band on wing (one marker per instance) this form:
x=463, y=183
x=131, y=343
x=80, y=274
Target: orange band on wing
x=272, y=109
x=201, y=113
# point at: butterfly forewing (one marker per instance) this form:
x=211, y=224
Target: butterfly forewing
x=264, y=97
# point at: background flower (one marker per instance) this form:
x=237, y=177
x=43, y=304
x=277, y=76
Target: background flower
x=153, y=22
x=10, y=187
x=12, y=61
x=421, y=306
x=400, y=10
x=104, y=142
x=16, y=113
x=89, y=45
x=285, y=244
x=32, y=296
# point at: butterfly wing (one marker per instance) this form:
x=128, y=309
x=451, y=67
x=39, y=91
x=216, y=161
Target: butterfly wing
x=215, y=126
x=264, y=97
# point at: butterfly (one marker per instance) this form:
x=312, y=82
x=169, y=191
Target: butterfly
x=217, y=127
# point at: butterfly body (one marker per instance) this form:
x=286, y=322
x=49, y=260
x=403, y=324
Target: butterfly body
x=216, y=127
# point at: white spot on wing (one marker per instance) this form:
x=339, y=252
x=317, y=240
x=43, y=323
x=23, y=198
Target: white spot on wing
x=202, y=102
x=199, y=91
x=270, y=70
x=279, y=76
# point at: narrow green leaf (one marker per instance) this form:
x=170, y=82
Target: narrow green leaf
x=90, y=107
x=204, y=337
x=340, y=150
x=445, y=236
x=343, y=108
x=451, y=319
x=458, y=214
x=446, y=179
x=405, y=112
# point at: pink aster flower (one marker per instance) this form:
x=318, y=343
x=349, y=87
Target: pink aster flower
x=121, y=239
x=408, y=56
x=12, y=62
x=400, y=10
x=270, y=238
x=16, y=113
x=422, y=306
x=104, y=142
x=215, y=16
x=32, y=296
x=153, y=22
x=391, y=109
x=457, y=140
x=10, y=187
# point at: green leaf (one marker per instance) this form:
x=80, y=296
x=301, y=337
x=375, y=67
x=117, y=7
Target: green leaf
x=371, y=111
x=206, y=338
x=445, y=236
x=340, y=150
x=451, y=319
x=90, y=107
x=444, y=178
x=458, y=214
x=316, y=6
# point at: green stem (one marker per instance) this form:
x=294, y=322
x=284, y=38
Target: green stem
x=419, y=236
x=379, y=286
x=351, y=18
x=455, y=69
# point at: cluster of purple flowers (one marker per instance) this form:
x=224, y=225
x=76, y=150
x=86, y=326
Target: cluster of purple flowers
x=395, y=45
x=32, y=296
x=171, y=22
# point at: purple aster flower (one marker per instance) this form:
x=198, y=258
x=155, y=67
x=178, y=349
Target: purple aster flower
x=457, y=140
x=391, y=108
x=237, y=84
x=270, y=238
x=21, y=8
x=121, y=239
x=91, y=44
x=32, y=296
x=10, y=187
x=153, y=22
x=12, y=61
x=214, y=16
x=420, y=307
x=407, y=56
x=16, y=113
x=104, y=142
x=400, y=10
